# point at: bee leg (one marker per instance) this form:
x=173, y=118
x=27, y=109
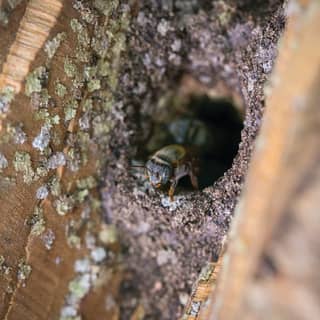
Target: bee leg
x=194, y=180
x=172, y=189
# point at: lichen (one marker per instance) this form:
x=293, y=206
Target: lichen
x=100, y=125
x=6, y=273
x=36, y=80
x=3, y=162
x=87, y=14
x=42, y=192
x=60, y=89
x=6, y=97
x=6, y=9
x=64, y=204
x=22, y=163
x=48, y=239
x=70, y=68
x=98, y=254
x=52, y=46
x=41, y=99
x=81, y=195
x=106, y=7
x=24, y=271
x=54, y=186
x=42, y=140
x=81, y=32
x=72, y=233
x=206, y=272
x=108, y=234
x=82, y=265
x=87, y=183
x=73, y=159
x=70, y=110
x=41, y=171
x=16, y=134
x=4, y=17
x=56, y=160
x=80, y=286
x=36, y=221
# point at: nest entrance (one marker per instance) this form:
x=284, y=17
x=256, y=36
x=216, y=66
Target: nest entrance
x=209, y=125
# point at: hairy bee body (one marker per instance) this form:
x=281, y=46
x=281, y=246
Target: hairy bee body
x=168, y=165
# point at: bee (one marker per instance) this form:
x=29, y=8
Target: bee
x=168, y=165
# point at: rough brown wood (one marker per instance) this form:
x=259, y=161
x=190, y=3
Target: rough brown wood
x=282, y=185
x=43, y=294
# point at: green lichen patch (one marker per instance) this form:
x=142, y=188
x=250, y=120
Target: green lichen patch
x=70, y=110
x=22, y=163
x=54, y=186
x=70, y=68
x=15, y=133
x=108, y=234
x=60, y=89
x=94, y=85
x=106, y=7
x=24, y=271
x=41, y=171
x=72, y=231
x=41, y=99
x=5, y=271
x=87, y=105
x=36, y=80
x=6, y=96
x=74, y=159
x=37, y=222
x=52, y=46
x=87, y=183
x=49, y=120
x=101, y=126
x=81, y=195
x=206, y=272
x=81, y=32
x=80, y=286
x=64, y=204
x=87, y=14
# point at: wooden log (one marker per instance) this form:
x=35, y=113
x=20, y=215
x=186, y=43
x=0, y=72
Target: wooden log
x=280, y=199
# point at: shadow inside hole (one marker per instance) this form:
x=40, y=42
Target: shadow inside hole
x=224, y=124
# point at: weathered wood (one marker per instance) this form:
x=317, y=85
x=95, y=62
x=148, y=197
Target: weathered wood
x=42, y=295
x=282, y=190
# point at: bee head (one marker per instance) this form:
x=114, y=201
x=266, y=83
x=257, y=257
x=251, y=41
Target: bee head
x=158, y=173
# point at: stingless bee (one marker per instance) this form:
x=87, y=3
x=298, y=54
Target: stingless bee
x=168, y=165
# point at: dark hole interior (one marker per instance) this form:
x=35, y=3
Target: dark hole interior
x=224, y=124
x=210, y=127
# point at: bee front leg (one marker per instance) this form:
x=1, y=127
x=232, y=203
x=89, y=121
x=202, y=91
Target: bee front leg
x=172, y=189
